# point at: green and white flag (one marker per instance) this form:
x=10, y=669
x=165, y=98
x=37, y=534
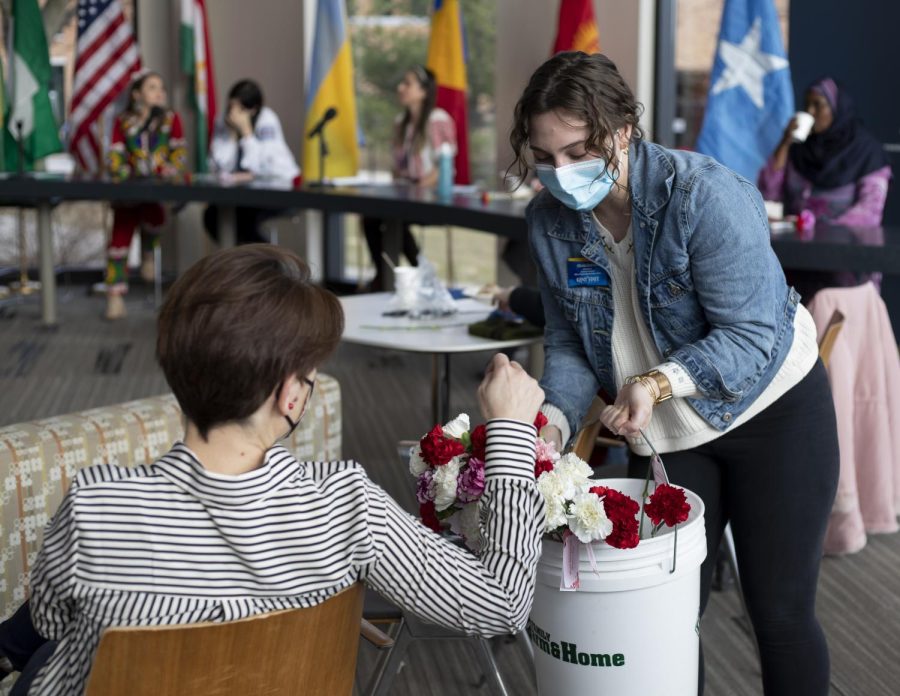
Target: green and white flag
x=29, y=103
x=196, y=63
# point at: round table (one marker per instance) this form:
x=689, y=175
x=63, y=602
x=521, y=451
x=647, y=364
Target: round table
x=365, y=324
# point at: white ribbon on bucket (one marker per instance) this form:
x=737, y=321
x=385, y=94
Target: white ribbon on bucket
x=569, y=581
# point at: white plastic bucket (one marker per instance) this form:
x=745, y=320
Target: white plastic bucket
x=632, y=626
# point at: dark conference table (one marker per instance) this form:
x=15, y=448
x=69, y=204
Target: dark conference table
x=829, y=249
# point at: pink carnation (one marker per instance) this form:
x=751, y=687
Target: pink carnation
x=470, y=485
x=546, y=451
x=425, y=487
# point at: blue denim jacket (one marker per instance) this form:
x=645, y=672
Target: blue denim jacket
x=711, y=289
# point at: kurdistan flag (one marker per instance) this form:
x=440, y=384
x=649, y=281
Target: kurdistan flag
x=29, y=103
x=197, y=62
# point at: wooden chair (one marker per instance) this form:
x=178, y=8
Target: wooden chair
x=310, y=651
x=826, y=345
x=589, y=436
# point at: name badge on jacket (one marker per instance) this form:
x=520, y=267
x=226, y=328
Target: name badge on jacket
x=586, y=274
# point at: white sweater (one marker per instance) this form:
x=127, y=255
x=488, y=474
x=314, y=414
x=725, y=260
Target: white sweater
x=675, y=425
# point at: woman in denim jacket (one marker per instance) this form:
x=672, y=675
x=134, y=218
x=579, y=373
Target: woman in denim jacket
x=660, y=287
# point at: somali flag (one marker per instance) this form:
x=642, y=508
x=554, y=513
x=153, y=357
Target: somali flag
x=751, y=98
x=331, y=86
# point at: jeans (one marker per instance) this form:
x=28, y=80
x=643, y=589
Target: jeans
x=774, y=478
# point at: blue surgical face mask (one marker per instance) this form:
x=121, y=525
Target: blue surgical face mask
x=580, y=186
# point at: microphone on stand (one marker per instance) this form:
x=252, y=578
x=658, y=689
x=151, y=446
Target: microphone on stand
x=326, y=117
x=318, y=130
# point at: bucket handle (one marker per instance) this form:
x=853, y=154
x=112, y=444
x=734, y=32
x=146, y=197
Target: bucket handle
x=658, y=470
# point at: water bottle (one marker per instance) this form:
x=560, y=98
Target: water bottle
x=445, y=173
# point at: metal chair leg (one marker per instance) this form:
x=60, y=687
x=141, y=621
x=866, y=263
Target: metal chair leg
x=389, y=663
x=489, y=666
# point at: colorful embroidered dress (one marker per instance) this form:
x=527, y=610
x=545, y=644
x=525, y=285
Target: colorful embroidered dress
x=140, y=151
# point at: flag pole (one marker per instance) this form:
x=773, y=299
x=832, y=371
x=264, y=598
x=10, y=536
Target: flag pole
x=24, y=286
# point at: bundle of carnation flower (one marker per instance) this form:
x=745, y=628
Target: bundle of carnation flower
x=448, y=463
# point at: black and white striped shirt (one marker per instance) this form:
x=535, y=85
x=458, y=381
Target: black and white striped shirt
x=172, y=543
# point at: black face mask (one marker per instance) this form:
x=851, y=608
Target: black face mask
x=292, y=424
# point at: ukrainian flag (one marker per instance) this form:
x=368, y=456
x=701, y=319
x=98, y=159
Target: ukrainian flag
x=447, y=60
x=330, y=85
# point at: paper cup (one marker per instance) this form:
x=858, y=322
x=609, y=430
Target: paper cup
x=406, y=286
x=804, y=125
x=774, y=210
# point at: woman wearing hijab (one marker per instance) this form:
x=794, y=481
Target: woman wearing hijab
x=840, y=173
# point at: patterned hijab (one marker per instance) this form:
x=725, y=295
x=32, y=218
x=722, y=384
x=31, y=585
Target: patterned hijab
x=845, y=152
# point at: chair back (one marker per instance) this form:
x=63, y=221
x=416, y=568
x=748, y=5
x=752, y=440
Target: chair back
x=829, y=336
x=310, y=651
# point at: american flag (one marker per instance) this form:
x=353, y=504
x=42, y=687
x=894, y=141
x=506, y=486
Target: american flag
x=107, y=57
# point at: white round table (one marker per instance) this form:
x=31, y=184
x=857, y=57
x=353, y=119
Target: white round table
x=365, y=324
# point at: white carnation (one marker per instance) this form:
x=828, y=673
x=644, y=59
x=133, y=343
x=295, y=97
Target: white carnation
x=417, y=465
x=445, y=484
x=457, y=427
x=587, y=518
x=550, y=486
x=573, y=474
x=574, y=466
x=554, y=514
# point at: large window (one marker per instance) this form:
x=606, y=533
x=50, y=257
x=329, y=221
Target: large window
x=388, y=37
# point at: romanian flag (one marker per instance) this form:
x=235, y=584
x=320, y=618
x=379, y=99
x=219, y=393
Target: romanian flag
x=577, y=27
x=447, y=60
x=331, y=87
x=197, y=63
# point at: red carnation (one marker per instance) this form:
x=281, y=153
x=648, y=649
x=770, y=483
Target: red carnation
x=540, y=421
x=437, y=450
x=542, y=465
x=668, y=504
x=617, y=505
x=429, y=516
x=622, y=511
x=624, y=534
x=479, y=441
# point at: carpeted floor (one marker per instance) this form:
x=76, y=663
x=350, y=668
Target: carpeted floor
x=89, y=362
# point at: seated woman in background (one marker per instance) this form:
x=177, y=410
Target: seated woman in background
x=274, y=533
x=147, y=141
x=248, y=143
x=840, y=172
x=419, y=133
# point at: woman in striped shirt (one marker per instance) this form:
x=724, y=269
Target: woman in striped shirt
x=228, y=524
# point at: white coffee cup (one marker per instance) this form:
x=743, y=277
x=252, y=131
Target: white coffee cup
x=805, y=121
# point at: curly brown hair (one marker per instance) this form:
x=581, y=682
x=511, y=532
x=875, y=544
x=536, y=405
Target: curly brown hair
x=587, y=86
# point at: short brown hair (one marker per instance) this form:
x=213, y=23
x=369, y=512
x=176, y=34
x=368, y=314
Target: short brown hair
x=238, y=323
x=588, y=86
